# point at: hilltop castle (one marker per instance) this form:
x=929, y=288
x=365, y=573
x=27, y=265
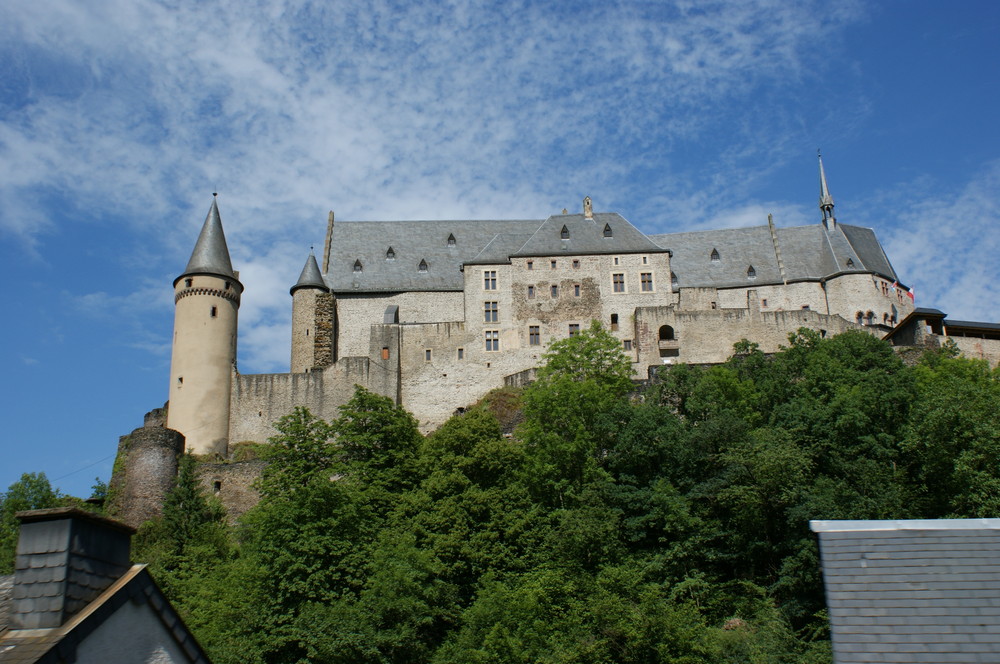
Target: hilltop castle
x=434, y=314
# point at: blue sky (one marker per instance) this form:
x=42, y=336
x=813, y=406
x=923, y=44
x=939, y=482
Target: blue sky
x=119, y=119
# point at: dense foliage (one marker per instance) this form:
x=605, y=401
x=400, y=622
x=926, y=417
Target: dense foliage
x=664, y=525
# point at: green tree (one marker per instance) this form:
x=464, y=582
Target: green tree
x=570, y=412
x=31, y=492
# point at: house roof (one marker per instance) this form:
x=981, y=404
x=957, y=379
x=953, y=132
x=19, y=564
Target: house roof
x=807, y=253
x=388, y=256
x=57, y=644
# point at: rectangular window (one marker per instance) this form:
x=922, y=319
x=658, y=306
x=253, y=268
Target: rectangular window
x=627, y=344
x=553, y=263
x=618, y=282
x=574, y=329
x=614, y=322
x=645, y=260
x=215, y=312
x=427, y=355
x=576, y=290
x=763, y=302
x=461, y=353
x=616, y=260
x=385, y=352
x=531, y=292
x=490, y=314
x=555, y=290
x=492, y=340
x=576, y=264
x=534, y=335
x=489, y=280
x=646, y=278
x=531, y=265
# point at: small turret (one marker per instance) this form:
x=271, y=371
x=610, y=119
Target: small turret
x=825, y=199
x=206, y=302
x=313, y=318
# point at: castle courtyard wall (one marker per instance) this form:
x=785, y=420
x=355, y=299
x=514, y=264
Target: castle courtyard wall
x=356, y=313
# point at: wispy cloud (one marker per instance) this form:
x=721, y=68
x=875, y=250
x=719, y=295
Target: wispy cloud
x=139, y=110
x=947, y=245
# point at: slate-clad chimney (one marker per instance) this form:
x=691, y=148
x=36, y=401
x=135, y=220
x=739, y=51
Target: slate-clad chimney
x=66, y=557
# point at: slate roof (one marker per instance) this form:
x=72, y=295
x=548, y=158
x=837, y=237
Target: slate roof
x=359, y=262
x=211, y=254
x=807, y=253
x=310, y=277
x=412, y=242
x=366, y=243
x=912, y=591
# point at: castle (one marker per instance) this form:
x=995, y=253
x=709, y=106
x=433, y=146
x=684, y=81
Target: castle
x=435, y=314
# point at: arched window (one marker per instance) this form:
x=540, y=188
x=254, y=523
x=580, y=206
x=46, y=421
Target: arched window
x=390, y=255
x=859, y=317
x=751, y=273
x=357, y=266
x=667, y=333
x=869, y=318
x=451, y=240
x=715, y=255
x=423, y=266
x=607, y=230
x=564, y=233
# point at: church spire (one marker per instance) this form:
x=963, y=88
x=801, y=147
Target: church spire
x=211, y=255
x=825, y=199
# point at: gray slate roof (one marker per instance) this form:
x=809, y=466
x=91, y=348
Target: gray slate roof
x=211, y=255
x=475, y=242
x=807, y=253
x=310, y=276
x=912, y=591
x=411, y=242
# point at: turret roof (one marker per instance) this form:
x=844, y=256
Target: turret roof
x=310, y=276
x=211, y=255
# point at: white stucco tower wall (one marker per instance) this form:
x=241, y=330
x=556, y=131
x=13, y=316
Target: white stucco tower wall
x=206, y=303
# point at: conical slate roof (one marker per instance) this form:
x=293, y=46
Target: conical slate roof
x=310, y=277
x=211, y=255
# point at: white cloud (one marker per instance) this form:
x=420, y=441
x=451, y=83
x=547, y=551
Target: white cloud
x=947, y=245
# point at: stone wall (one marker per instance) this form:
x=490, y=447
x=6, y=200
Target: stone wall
x=233, y=484
x=356, y=313
x=144, y=471
x=313, y=329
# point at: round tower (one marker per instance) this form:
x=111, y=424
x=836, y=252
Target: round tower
x=206, y=302
x=312, y=320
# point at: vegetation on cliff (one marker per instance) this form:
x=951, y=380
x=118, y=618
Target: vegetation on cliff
x=664, y=525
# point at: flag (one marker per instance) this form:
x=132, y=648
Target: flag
x=909, y=294
x=893, y=287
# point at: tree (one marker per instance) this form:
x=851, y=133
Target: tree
x=570, y=414
x=31, y=492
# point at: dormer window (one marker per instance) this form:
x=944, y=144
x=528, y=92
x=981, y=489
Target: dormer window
x=357, y=266
x=715, y=254
x=423, y=266
x=390, y=255
x=607, y=230
x=451, y=240
x=850, y=262
x=751, y=273
x=564, y=233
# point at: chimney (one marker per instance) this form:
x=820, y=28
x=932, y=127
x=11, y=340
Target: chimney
x=66, y=557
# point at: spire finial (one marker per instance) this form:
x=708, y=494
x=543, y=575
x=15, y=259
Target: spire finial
x=825, y=199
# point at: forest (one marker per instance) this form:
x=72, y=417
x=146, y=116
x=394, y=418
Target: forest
x=581, y=519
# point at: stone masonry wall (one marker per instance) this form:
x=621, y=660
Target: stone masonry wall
x=144, y=471
x=357, y=313
x=233, y=484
